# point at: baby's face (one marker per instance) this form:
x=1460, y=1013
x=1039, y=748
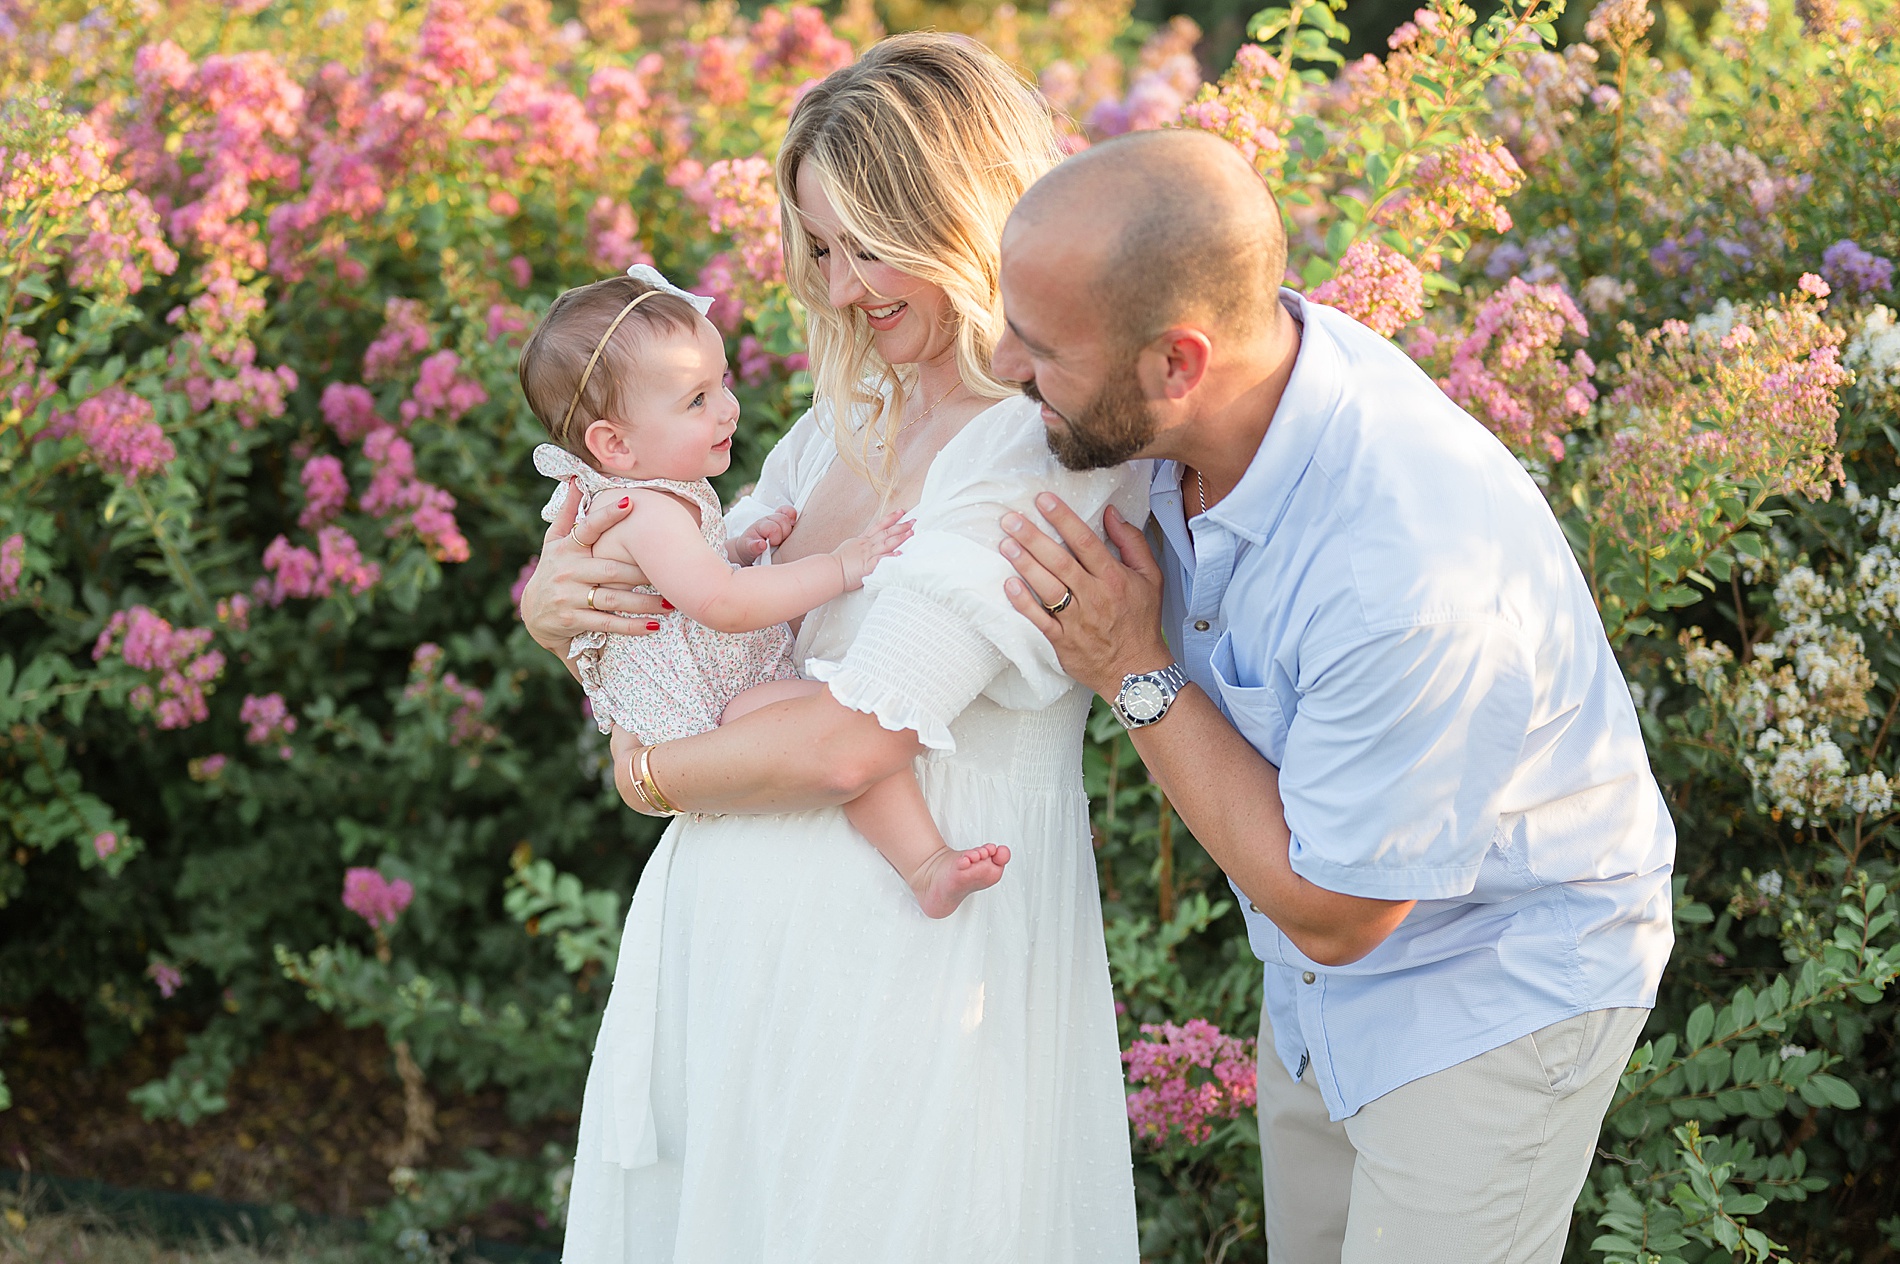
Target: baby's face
x=681, y=421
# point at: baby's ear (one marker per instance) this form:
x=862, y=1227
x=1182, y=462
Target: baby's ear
x=608, y=445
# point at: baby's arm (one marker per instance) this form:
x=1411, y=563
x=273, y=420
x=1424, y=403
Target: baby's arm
x=663, y=539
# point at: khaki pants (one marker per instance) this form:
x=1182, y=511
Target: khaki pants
x=1479, y=1163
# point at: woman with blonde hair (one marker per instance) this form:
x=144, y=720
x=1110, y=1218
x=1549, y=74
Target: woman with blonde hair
x=795, y=1063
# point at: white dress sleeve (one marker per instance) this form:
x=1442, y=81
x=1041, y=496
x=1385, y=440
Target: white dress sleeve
x=792, y=468
x=941, y=631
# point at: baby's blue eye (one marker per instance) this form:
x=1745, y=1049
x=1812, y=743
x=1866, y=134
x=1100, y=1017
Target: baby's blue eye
x=698, y=400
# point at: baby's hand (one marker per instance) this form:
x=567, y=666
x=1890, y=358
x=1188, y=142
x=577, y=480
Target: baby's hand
x=767, y=533
x=862, y=552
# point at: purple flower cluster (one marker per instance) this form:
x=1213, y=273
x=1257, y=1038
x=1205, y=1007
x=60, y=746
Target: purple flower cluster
x=1854, y=270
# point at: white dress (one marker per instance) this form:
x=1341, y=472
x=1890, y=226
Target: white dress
x=796, y=1065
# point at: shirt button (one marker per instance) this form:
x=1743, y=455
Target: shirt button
x=1309, y=977
x=1253, y=906
x=1201, y=625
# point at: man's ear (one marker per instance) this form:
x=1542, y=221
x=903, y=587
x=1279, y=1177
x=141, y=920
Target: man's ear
x=608, y=445
x=1175, y=363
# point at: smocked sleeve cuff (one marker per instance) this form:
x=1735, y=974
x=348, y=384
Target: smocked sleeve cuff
x=914, y=665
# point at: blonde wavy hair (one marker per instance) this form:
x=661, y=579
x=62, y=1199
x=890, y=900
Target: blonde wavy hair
x=923, y=146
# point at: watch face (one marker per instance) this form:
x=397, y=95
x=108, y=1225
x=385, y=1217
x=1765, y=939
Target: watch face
x=1144, y=700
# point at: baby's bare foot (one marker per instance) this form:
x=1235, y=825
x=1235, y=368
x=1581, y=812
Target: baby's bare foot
x=941, y=882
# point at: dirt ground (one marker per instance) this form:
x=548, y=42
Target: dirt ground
x=311, y=1122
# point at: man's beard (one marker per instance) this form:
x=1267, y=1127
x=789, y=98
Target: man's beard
x=1109, y=429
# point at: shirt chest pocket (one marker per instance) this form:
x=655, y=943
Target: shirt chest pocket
x=1253, y=698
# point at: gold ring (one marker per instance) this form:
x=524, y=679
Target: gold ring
x=1068, y=599
x=590, y=596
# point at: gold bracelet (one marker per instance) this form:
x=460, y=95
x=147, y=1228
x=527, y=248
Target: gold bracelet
x=652, y=787
x=639, y=791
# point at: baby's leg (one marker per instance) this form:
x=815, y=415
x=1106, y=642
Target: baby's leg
x=893, y=816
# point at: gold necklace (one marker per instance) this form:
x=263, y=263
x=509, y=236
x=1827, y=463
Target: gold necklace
x=879, y=444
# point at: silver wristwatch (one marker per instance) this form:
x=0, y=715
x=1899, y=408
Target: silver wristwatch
x=1145, y=697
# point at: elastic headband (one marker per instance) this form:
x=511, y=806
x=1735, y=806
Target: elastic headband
x=600, y=347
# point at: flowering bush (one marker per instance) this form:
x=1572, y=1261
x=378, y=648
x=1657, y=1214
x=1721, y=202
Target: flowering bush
x=267, y=504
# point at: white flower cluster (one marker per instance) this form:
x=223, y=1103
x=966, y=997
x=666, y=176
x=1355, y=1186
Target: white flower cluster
x=1874, y=350
x=1877, y=572
x=1801, y=687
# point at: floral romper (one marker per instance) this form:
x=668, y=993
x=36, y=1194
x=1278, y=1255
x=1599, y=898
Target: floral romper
x=675, y=682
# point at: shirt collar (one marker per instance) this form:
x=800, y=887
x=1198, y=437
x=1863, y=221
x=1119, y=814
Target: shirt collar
x=1306, y=407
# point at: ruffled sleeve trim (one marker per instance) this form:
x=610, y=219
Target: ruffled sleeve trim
x=914, y=665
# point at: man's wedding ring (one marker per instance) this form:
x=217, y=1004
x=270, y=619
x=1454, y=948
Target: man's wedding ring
x=1068, y=599
x=590, y=596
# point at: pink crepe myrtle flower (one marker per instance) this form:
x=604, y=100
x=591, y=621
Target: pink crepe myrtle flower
x=1466, y=186
x=395, y=490
x=505, y=320
x=267, y=718
x=206, y=768
x=1511, y=371
x=406, y=333
x=739, y=200
x=442, y=390
x=1619, y=22
x=120, y=435
x=235, y=612
x=105, y=843
x=184, y=668
x=520, y=271
x=350, y=410
x=13, y=561
x=612, y=235
x=451, y=50
x=1375, y=285
x=125, y=240
x=375, y=898
x=521, y=581
x=167, y=977
x=1186, y=1077
x=325, y=491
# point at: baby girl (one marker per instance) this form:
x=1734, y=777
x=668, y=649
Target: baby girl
x=630, y=379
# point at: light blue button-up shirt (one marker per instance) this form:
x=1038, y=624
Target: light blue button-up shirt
x=1387, y=610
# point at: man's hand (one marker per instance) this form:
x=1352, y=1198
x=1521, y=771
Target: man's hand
x=555, y=604
x=1112, y=626
x=767, y=533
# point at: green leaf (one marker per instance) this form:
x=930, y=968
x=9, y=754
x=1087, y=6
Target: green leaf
x=1701, y=1024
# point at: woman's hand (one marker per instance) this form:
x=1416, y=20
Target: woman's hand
x=555, y=604
x=767, y=533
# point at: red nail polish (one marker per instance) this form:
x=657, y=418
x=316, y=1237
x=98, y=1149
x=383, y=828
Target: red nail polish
x=653, y=625
x=665, y=604
x=625, y=501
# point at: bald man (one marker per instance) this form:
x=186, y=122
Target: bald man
x=1368, y=674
